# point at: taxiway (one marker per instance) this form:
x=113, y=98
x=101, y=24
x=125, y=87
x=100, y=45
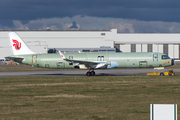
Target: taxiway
x=112, y=72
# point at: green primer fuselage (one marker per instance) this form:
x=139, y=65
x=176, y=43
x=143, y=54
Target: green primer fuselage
x=119, y=60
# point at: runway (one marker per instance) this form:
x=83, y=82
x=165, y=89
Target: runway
x=109, y=72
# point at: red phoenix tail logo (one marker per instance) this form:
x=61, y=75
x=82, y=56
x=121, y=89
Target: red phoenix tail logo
x=16, y=44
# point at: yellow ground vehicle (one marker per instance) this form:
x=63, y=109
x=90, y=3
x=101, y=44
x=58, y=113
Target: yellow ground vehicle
x=170, y=72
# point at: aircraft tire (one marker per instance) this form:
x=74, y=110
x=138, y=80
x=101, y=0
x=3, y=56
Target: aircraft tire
x=88, y=73
x=161, y=74
x=92, y=73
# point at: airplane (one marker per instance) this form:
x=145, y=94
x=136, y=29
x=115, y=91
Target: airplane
x=90, y=61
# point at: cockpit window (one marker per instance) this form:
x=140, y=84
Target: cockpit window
x=165, y=57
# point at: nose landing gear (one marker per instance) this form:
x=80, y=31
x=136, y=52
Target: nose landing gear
x=90, y=73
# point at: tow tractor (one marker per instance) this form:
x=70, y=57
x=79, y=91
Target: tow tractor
x=169, y=72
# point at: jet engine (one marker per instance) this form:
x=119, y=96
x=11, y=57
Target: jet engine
x=81, y=66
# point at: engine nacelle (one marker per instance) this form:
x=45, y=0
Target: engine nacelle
x=83, y=67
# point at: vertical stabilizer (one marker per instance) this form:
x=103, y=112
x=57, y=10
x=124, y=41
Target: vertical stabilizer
x=18, y=45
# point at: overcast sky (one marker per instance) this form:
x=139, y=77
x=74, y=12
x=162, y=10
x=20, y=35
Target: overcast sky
x=128, y=16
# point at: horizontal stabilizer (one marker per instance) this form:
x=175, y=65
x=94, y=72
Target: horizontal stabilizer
x=16, y=59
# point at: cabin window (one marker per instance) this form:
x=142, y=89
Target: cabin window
x=165, y=57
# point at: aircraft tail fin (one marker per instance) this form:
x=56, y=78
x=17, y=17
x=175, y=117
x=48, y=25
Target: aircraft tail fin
x=18, y=45
x=63, y=57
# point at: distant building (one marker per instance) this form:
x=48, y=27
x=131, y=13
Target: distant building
x=93, y=41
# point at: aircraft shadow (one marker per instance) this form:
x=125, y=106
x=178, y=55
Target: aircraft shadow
x=99, y=74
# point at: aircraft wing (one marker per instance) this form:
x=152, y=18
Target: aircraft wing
x=81, y=61
x=91, y=64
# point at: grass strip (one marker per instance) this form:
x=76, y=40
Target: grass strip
x=93, y=98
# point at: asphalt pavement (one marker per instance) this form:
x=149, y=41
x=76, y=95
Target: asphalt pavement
x=109, y=72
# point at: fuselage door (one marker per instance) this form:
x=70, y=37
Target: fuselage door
x=155, y=57
x=98, y=58
x=34, y=59
x=60, y=65
x=142, y=64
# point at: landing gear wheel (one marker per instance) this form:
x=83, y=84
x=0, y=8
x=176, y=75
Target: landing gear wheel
x=92, y=73
x=88, y=73
x=161, y=74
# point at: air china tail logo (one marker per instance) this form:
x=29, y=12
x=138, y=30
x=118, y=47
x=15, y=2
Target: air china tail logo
x=16, y=44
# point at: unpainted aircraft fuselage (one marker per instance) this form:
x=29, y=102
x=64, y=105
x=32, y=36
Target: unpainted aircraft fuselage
x=115, y=60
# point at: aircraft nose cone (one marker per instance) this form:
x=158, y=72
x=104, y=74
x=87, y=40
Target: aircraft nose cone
x=172, y=61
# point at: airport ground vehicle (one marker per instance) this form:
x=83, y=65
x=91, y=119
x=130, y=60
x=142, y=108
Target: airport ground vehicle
x=170, y=72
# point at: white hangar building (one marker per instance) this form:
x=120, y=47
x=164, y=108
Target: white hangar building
x=94, y=41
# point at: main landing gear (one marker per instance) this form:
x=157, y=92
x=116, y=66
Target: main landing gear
x=90, y=73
